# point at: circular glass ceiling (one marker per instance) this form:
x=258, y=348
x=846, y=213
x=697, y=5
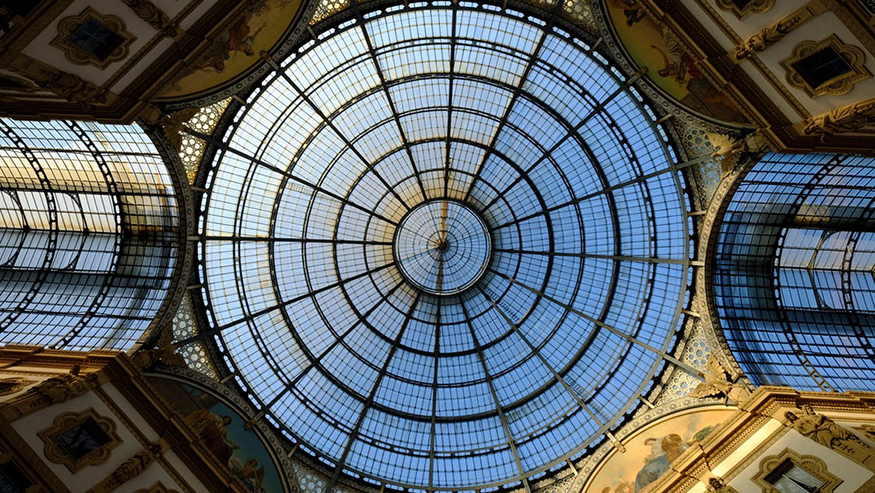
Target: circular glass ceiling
x=442, y=247
x=445, y=247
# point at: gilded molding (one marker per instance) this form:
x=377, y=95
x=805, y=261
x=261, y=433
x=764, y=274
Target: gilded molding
x=80, y=56
x=129, y=469
x=849, y=118
x=752, y=7
x=843, y=84
x=775, y=32
x=55, y=451
x=154, y=16
x=12, y=442
x=64, y=84
x=867, y=487
x=52, y=390
x=811, y=464
x=828, y=433
x=13, y=384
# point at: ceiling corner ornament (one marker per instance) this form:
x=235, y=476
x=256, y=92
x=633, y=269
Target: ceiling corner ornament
x=853, y=56
x=752, y=7
x=849, y=118
x=77, y=54
x=813, y=465
x=80, y=439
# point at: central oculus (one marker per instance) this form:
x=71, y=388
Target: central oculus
x=442, y=247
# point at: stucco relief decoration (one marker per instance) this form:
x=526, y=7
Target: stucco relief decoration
x=770, y=476
x=92, y=38
x=80, y=439
x=743, y=9
x=14, y=384
x=716, y=383
x=843, y=83
x=157, y=488
x=828, y=433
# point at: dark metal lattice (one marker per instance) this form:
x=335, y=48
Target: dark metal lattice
x=793, y=279
x=491, y=382
x=88, y=235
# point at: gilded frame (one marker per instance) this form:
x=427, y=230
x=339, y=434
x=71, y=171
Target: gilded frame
x=843, y=84
x=80, y=56
x=55, y=452
x=811, y=464
x=752, y=7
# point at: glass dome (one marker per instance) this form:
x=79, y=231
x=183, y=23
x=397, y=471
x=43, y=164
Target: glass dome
x=445, y=247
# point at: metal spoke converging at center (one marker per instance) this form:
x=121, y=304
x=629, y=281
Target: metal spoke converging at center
x=450, y=277
x=442, y=247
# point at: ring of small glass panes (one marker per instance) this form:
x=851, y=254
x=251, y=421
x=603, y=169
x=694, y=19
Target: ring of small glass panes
x=546, y=143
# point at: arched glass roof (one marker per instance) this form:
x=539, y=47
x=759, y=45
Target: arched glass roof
x=445, y=247
x=89, y=228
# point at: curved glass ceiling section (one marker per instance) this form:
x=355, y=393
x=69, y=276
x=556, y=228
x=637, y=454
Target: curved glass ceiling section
x=485, y=117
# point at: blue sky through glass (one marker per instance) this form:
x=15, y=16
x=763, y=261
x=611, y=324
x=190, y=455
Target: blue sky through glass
x=589, y=236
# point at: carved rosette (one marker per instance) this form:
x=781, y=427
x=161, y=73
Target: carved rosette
x=80, y=56
x=843, y=84
x=156, y=18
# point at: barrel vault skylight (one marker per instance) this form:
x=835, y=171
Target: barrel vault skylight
x=445, y=247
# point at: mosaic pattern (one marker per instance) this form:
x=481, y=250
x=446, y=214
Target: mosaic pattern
x=192, y=150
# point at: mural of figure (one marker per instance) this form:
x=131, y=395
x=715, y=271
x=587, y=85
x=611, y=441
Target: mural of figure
x=677, y=62
x=250, y=473
x=673, y=68
x=657, y=463
x=213, y=430
x=622, y=487
x=631, y=9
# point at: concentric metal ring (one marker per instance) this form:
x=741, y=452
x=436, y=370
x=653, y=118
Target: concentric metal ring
x=442, y=247
x=361, y=356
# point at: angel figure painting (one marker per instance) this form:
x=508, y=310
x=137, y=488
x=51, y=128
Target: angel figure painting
x=220, y=429
x=234, y=48
x=670, y=66
x=650, y=451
